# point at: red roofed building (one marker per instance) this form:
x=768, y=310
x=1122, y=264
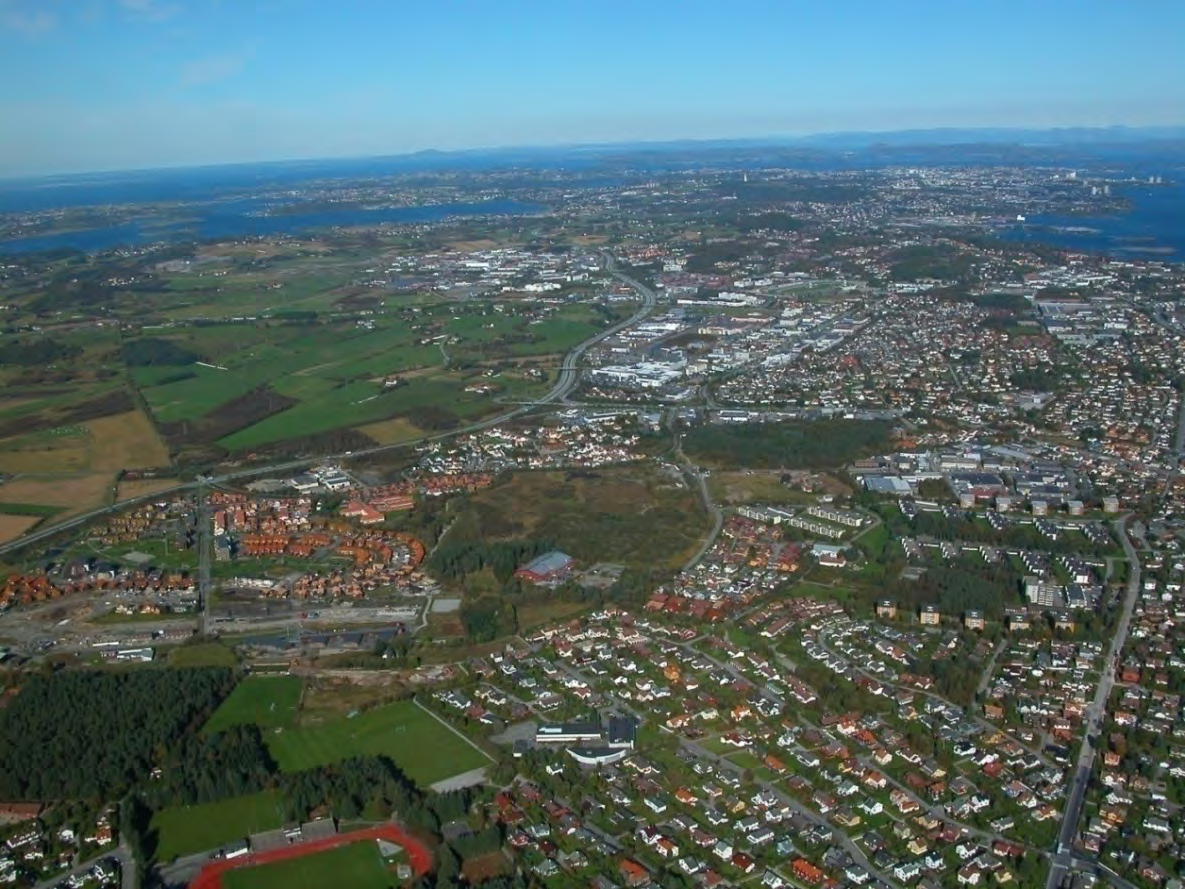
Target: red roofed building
x=547, y=567
x=806, y=871
x=633, y=873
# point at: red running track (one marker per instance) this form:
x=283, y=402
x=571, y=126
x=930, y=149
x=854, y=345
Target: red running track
x=417, y=852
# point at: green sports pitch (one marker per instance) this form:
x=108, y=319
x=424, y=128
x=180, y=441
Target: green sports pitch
x=356, y=866
x=266, y=701
x=415, y=740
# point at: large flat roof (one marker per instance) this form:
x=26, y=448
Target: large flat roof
x=548, y=563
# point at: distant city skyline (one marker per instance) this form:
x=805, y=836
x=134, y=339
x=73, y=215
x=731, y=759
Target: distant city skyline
x=129, y=84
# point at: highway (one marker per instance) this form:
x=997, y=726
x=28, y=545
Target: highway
x=1063, y=857
x=567, y=380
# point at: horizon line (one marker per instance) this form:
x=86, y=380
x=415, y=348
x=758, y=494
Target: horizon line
x=1168, y=131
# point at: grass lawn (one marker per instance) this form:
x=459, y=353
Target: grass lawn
x=188, y=829
x=356, y=866
x=205, y=654
x=426, y=750
x=266, y=701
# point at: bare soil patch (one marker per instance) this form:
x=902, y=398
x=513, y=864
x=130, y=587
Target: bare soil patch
x=13, y=526
x=77, y=494
x=144, y=486
x=392, y=431
x=126, y=441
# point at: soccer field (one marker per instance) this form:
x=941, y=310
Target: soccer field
x=426, y=750
x=184, y=830
x=266, y=701
x=356, y=866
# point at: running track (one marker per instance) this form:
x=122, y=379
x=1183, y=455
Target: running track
x=420, y=857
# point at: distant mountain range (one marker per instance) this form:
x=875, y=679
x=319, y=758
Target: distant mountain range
x=856, y=140
x=944, y=145
x=1060, y=136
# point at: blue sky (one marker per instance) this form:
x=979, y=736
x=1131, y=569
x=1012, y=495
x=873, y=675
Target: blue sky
x=116, y=84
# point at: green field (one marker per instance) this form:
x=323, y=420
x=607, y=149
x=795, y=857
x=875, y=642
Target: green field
x=426, y=750
x=266, y=701
x=334, y=371
x=355, y=404
x=205, y=654
x=188, y=829
x=356, y=866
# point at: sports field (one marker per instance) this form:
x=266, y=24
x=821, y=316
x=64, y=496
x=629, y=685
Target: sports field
x=266, y=701
x=187, y=829
x=356, y=866
x=415, y=740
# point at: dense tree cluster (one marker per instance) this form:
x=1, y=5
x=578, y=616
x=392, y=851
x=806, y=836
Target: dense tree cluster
x=936, y=526
x=349, y=787
x=90, y=733
x=204, y=768
x=816, y=445
x=452, y=561
x=1011, y=302
x=943, y=262
x=956, y=589
x=155, y=351
x=38, y=352
x=487, y=618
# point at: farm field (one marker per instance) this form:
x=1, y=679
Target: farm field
x=71, y=494
x=392, y=431
x=144, y=486
x=269, y=350
x=354, y=866
x=64, y=449
x=187, y=829
x=124, y=440
x=266, y=701
x=426, y=750
x=13, y=526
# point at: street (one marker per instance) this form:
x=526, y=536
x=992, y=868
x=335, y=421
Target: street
x=1061, y=859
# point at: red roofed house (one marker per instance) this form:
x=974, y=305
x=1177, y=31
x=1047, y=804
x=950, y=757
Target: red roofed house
x=633, y=873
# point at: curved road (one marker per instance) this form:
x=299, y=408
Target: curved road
x=713, y=510
x=569, y=376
